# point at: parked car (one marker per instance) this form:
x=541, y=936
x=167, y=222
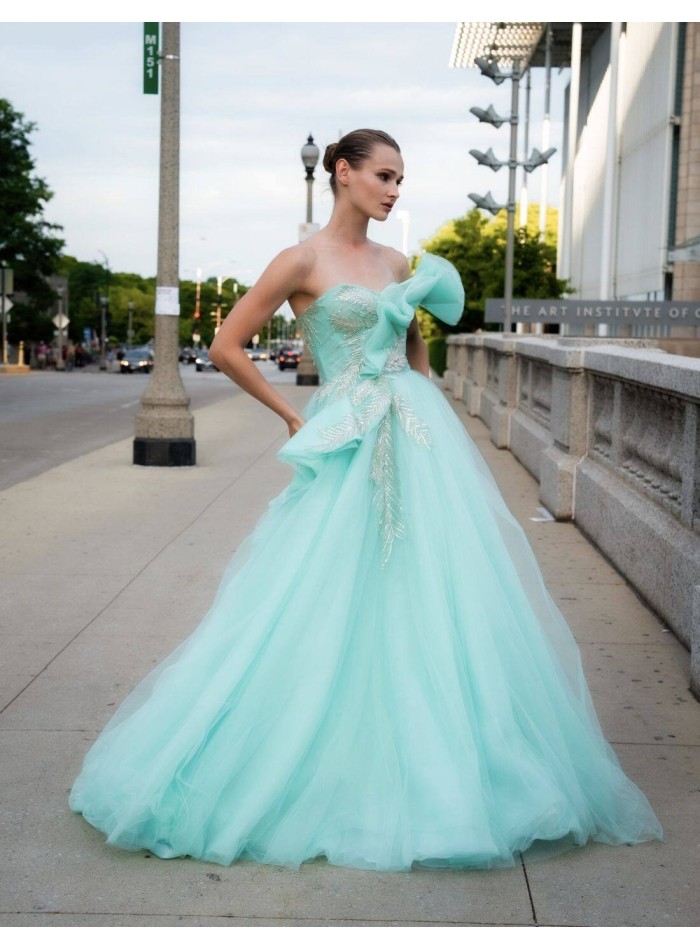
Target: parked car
x=136, y=361
x=288, y=356
x=203, y=362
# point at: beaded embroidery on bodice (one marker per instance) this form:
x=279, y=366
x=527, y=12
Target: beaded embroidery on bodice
x=357, y=338
x=335, y=328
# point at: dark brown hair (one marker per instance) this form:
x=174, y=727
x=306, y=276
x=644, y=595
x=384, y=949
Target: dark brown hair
x=355, y=147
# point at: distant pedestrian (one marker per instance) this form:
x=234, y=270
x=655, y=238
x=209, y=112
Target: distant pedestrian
x=42, y=354
x=70, y=356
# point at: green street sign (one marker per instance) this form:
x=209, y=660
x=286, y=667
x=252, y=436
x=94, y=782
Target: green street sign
x=150, y=58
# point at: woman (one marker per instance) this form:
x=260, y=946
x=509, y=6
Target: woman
x=406, y=692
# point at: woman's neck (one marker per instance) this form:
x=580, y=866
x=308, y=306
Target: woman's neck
x=347, y=225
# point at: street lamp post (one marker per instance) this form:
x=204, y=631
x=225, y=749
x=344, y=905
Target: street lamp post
x=512, y=166
x=60, y=365
x=6, y=287
x=219, y=288
x=220, y=281
x=307, y=373
x=104, y=301
x=309, y=155
x=196, y=334
x=489, y=68
x=130, y=324
x=103, y=332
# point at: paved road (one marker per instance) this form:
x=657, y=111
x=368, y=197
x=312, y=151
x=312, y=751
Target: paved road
x=47, y=418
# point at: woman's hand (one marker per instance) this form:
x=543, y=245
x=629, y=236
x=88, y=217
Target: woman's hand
x=295, y=424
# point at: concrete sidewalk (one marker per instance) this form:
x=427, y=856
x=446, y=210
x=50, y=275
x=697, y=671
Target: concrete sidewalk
x=107, y=566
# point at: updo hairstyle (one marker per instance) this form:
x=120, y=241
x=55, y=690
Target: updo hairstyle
x=355, y=147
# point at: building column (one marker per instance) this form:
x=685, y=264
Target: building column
x=686, y=276
x=606, y=250
x=574, y=86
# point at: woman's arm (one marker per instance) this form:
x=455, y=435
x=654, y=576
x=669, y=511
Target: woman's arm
x=280, y=279
x=416, y=349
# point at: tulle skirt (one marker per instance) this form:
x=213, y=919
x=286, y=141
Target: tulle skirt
x=425, y=709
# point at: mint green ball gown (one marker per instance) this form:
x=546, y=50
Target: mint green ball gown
x=406, y=692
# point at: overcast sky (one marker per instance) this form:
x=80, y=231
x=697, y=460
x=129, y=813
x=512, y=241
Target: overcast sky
x=251, y=93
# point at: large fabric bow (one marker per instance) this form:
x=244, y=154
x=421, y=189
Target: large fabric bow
x=369, y=402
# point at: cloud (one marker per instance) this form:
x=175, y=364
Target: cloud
x=251, y=93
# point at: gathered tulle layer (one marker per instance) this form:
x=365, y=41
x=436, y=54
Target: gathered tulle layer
x=428, y=710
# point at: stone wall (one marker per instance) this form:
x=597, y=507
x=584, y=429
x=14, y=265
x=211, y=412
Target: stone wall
x=611, y=431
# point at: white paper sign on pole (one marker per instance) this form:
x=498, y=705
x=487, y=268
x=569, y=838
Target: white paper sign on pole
x=307, y=229
x=168, y=301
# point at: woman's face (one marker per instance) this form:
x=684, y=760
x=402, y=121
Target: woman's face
x=373, y=188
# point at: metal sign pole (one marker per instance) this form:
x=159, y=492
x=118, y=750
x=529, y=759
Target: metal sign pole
x=4, y=316
x=164, y=424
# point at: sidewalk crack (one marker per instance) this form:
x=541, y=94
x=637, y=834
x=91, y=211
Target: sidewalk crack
x=529, y=892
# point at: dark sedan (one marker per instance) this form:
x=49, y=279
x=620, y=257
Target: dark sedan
x=204, y=362
x=288, y=356
x=188, y=354
x=136, y=361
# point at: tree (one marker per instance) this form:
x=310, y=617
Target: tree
x=477, y=248
x=28, y=244
x=88, y=281
x=207, y=307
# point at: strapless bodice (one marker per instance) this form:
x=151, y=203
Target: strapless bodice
x=355, y=333
x=340, y=331
x=357, y=338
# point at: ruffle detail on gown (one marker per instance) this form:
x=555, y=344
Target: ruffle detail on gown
x=369, y=403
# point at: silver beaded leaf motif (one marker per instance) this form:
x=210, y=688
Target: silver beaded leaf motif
x=396, y=361
x=307, y=327
x=375, y=400
x=387, y=495
x=356, y=424
x=373, y=403
x=384, y=471
x=410, y=423
x=363, y=314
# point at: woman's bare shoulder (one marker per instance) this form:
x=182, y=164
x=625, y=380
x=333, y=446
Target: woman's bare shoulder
x=295, y=263
x=397, y=261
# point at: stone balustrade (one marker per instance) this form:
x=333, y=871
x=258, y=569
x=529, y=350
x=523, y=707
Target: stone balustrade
x=611, y=431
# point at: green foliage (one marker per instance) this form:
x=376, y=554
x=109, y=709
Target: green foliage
x=89, y=281
x=477, y=248
x=209, y=301
x=27, y=243
x=437, y=354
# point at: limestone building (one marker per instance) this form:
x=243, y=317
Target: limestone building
x=629, y=210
